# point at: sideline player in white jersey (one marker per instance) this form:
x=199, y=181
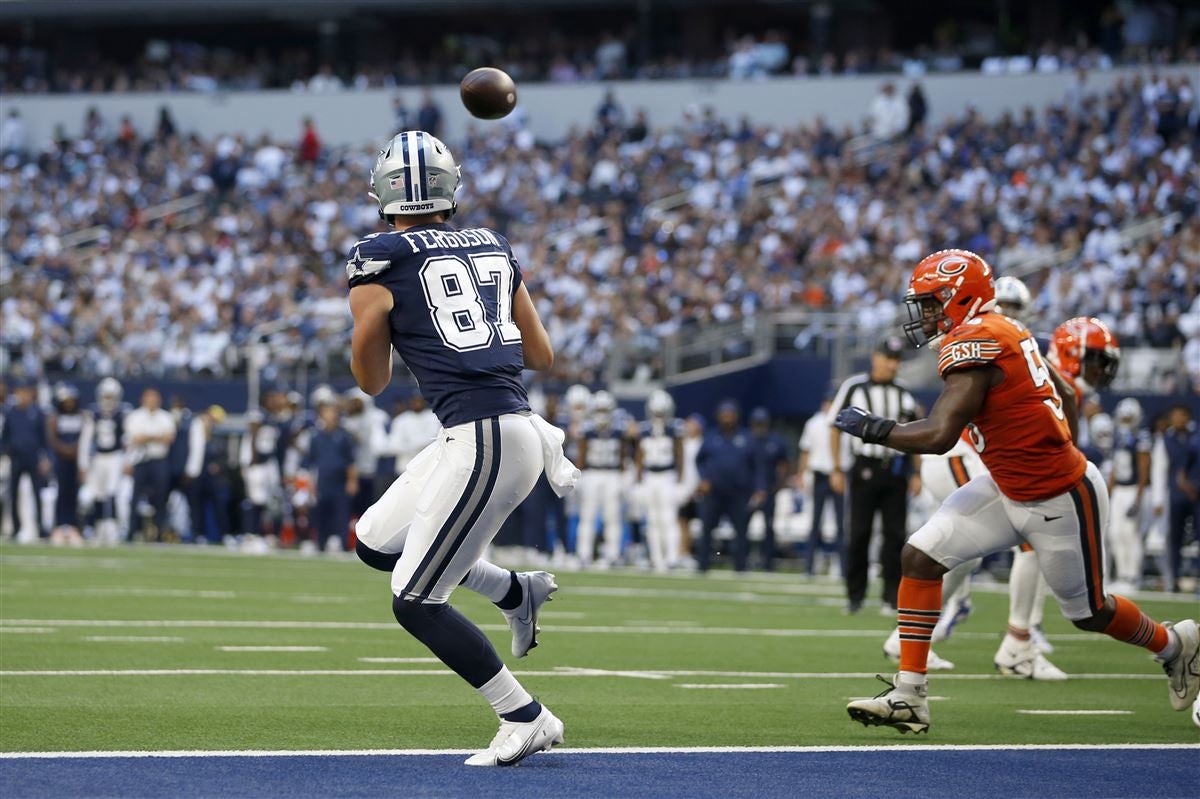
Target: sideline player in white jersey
x=1128, y=484
x=602, y=459
x=453, y=304
x=101, y=459
x=659, y=460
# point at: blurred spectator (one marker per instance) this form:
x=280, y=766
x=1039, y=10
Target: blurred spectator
x=889, y=113
x=310, y=142
x=166, y=125
x=429, y=114
x=325, y=80
x=609, y=115
x=918, y=107
x=12, y=134
x=400, y=114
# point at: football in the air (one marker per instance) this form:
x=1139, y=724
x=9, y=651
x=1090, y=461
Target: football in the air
x=488, y=93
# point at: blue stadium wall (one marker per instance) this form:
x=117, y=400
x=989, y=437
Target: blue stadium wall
x=789, y=387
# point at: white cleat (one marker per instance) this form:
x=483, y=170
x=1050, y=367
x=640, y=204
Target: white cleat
x=906, y=708
x=1183, y=670
x=516, y=741
x=1039, y=641
x=954, y=614
x=1022, y=660
x=891, y=650
x=522, y=620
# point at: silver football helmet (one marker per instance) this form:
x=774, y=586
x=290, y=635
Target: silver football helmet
x=1102, y=432
x=322, y=395
x=578, y=399
x=1012, y=297
x=108, y=394
x=659, y=404
x=1129, y=413
x=414, y=174
x=603, y=406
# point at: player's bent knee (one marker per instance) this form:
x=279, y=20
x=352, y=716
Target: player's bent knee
x=383, y=561
x=1099, y=621
x=916, y=564
x=414, y=615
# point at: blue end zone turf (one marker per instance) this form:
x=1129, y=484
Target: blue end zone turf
x=986, y=774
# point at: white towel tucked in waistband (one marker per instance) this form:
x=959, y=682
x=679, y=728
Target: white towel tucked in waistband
x=561, y=473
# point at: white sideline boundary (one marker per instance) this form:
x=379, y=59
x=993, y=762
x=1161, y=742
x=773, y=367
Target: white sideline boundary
x=601, y=750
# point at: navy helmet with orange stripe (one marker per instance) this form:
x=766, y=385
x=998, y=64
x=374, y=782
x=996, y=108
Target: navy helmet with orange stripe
x=948, y=288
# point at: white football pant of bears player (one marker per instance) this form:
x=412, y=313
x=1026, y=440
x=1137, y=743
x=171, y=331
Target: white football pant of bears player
x=940, y=476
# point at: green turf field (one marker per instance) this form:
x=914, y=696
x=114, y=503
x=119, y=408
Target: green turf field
x=614, y=646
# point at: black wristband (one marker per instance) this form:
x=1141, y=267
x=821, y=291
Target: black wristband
x=876, y=429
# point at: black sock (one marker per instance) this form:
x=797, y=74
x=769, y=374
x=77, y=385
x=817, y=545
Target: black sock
x=524, y=715
x=452, y=637
x=512, y=600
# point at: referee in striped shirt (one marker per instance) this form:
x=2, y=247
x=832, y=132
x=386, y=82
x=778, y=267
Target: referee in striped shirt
x=880, y=478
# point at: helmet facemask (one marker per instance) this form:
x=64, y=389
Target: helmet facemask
x=1098, y=368
x=927, y=319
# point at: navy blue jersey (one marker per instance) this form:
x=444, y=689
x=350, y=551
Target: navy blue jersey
x=271, y=437
x=1127, y=444
x=772, y=451
x=24, y=438
x=657, y=441
x=108, y=428
x=68, y=426
x=452, y=315
x=331, y=454
x=605, y=446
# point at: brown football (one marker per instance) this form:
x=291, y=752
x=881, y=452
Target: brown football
x=488, y=93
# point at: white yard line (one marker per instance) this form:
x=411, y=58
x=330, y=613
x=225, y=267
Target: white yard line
x=133, y=639
x=610, y=750
x=27, y=630
x=730, y=686
x=1076, y=712
x=273, y=648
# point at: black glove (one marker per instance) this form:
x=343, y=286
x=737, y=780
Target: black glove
x=857, y=422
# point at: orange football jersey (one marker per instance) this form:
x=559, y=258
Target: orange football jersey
x=1021, y=432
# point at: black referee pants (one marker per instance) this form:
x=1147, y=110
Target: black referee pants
x=875, y=488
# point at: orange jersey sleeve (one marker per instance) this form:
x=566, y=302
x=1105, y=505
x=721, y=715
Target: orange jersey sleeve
x=1026, y=443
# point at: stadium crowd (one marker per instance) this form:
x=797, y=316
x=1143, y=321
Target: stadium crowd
x=657, y=492
x=807, y=217
x=1123, y=33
